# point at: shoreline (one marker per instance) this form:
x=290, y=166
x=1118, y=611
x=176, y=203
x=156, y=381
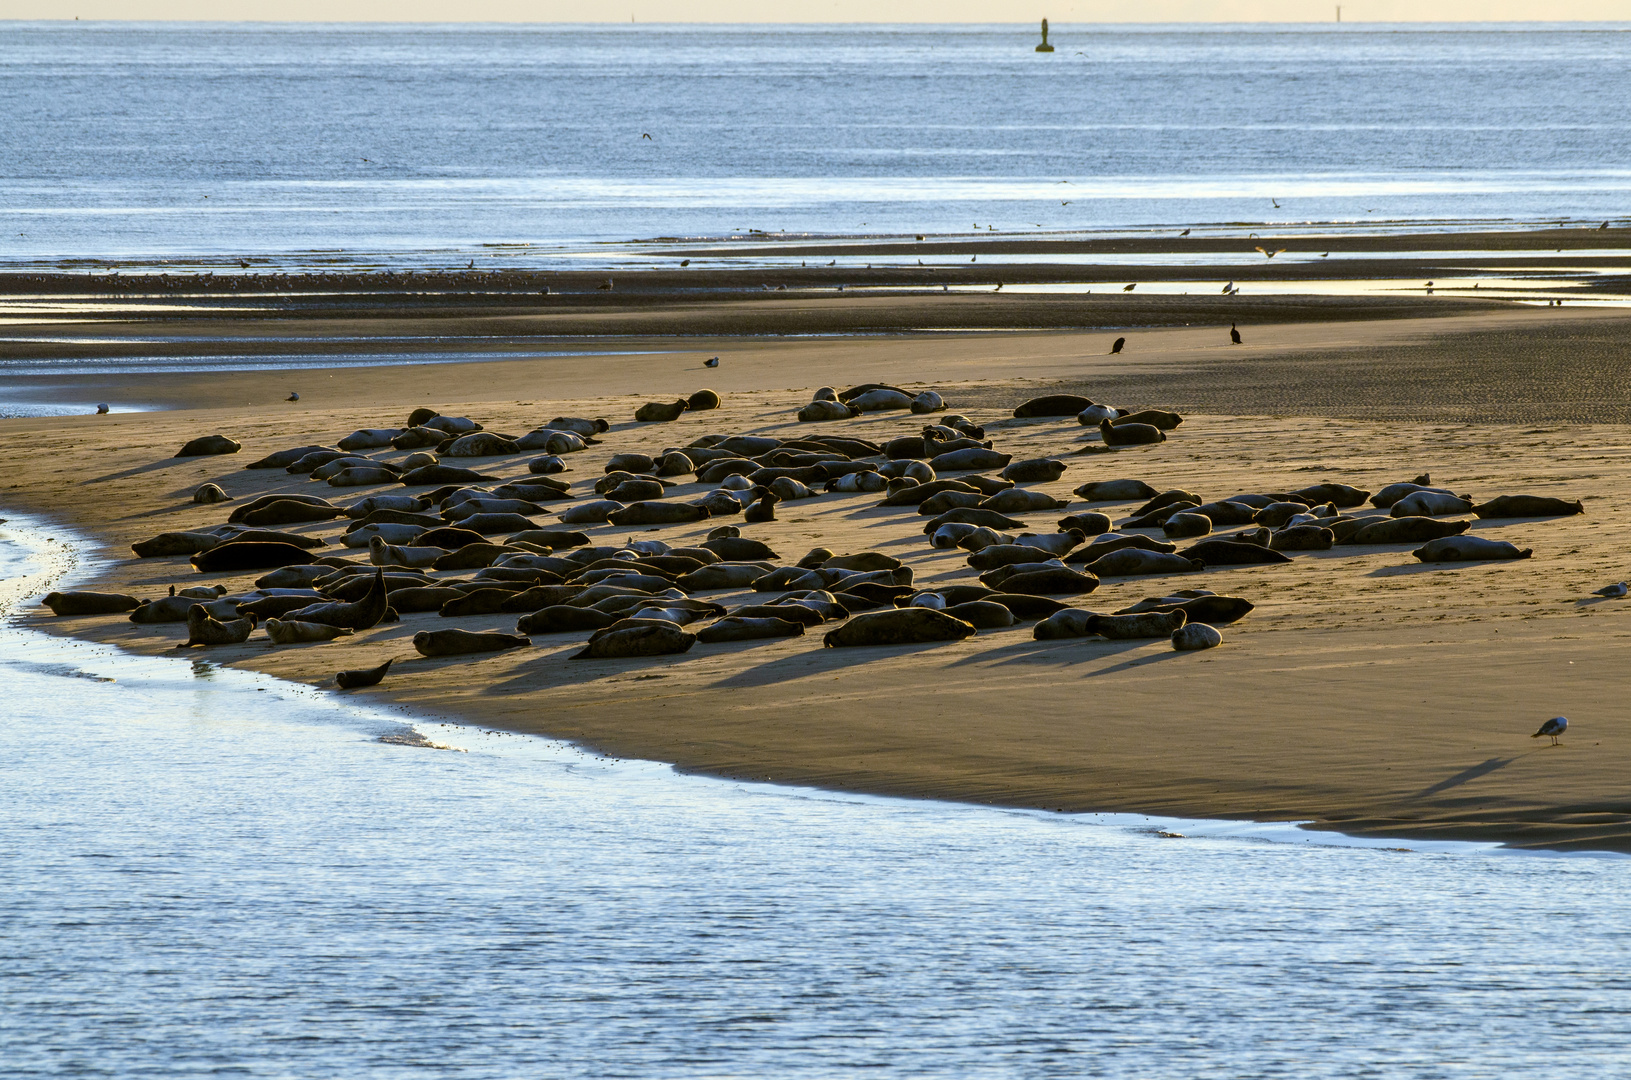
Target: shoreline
x=1098, y=727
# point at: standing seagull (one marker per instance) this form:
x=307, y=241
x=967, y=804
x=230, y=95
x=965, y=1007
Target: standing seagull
x=1116, y=348
x=1615, y=591
x=1553, y=727
x=1234, y=335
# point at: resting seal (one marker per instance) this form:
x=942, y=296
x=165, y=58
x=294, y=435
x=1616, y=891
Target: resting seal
x=367, y=612
x=1195, y=636
x=455, y=642
x=737, y=628
x=1130, y=434
x=1149, y=624
x=249, y=555
x=651, y=638
x=202, y=629
x=702, y=400
x=1034, y=471
x=1426, y=503
x=1523, y=506
x=89, y=603
x=1184, y=523
x=901, y=626
x=1052, y=405
x=1135, y=561
x=289, y=632
x=1406, y=530
x=206, y=445
x=660, y=412
x=354, y=680
x=1468, y=549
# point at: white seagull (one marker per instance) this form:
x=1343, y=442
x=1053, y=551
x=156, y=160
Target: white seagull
x=1553, y=727
x=1614, y=591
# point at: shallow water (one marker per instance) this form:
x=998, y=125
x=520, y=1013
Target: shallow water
x=524, y=145
x=204, y=870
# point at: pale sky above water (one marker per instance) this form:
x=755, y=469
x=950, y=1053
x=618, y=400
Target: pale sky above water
x=818, y=11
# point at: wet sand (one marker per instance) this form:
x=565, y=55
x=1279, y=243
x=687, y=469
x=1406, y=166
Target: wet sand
x=1367, y=691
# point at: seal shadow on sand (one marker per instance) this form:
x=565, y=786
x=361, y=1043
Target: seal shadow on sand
x=1069, y=652
x=819, y=662
x=152, y=466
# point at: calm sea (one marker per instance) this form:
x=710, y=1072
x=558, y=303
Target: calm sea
x=428, y=143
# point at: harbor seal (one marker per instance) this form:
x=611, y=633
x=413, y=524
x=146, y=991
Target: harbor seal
x=455, y=642
x=1302, y=538
x=282, y=459
x=1430, y=504
x=1057, y=543
x=675, y=463
x=968, y=459
x=543, y=466
x=650, y=638
x=1229, y=553
x=204, y=629
x=988, y=519
x=89, y=603
x=362, y=614
x=480, y=444
x=206, y=445
x=1392, y=493
x=631, y=463
x=1193, y=637
x=1089, y=524
x=1020, y=501
x=927, y=402
x=1525, y=506
x=1051, y=405
x=1185, y=524
x=737, y=628
x=382, y=554
x=579, y=425
x=1340, y=495
x=1276, y=514
x=1406, y=530
x=658, y=412
x=1054, y=581
x=737, y=548
x=1115, y=541
x=562, y=619
x=1148, y=624
x=1198, y=605
x=290, y=632
x=1093, y=415
x=656, y=513
x=1065, y=623
x=210, y=493
x=369, y=438
x=1468, y=549
x=1034, y=471
x=702, y=400
x=900, y=626
x=249, y=555
x=1130, y=434
x=982, y=614
x=1134, y=562
x=1166, y=421
x=289, y=512
x=361, y=677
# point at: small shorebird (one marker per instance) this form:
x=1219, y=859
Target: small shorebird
x=1116, y=348
x=1615, y=591
x=605, y=286
x=711, y=362
x=1130, y=288
x=1234, y=335
x=1184, y=233
x=293, y=396
x=1229, y=288
x=1553, y=727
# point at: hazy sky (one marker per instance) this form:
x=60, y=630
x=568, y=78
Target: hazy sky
x=793, y=11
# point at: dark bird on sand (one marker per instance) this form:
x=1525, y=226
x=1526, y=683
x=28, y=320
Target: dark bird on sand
x=293, y=396
x=1131, y=287
x=1115, y=348
x=1553, y=727
x=685, y=262
x=1184, y=233
x=1234, y=335
x=605, y=286
x=712, y=362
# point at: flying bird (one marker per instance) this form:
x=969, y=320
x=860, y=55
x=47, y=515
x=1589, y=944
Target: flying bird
x=1615, y=591
x=1271, y=254
x=1064, y=202
x=1276, y=204
x=1234, y=335
x=645, y=135
x=1553, y=727
x=1130, y=288
x=1116, y=348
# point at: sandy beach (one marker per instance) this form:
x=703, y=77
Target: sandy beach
x=1366, y=691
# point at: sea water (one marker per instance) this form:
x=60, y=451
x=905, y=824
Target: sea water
x=207, y=871
x=541, y=145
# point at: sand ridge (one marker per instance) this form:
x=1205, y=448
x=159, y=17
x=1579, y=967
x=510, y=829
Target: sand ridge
x=1366, y=691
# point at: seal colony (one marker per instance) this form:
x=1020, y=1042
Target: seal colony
x=464, y=541
x=1345, y=682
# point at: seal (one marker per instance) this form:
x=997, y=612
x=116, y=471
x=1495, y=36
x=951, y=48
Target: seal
x=988, y=519
x=927, y=402
x=361, y=677
x=1055, y=581
x=1089, y=524
x=1302, y=538
x=362, y=614
x=1392, y=493
x=289, y=632
x=1336, y=494
x=480, y=444
x=1198, y=605
x=389, y=531
x=737, y=628
x=1116, y=491
x=443, y=474
x=289, y=512
x=89, y=603
x=1149, y=624
x=206, y=445
x=1034, y=471
x=579, y=425
x=968, y=459
x=1166, y=421
x=210, y=493
x=818, y=411
x=1276, y=514
x=630, y=638
x=1193, y=637
x=369, y=438
x=455, y=642
x=764, y=509
x=1184, y=524
x=1430, y=504
x=282, y=459
x=549, y=463
x=900, y=626
x=203, y=629
x=997, y=555
x=382, y=554
x=1229, y=553
x=675, y=463
x=1051, y=405
x=1227, y=513
x=1093, y=415
x=249, y=555
x=1066, y=623
x=1526, y=506
x=702, y=400
x=1130, y=434
x=562, y=619
x=1468, y=549
x=737, y=548
x=1135, y=562
x=982, y=614
x=1018, y=501
x=1406, y=530
x=657, y=412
